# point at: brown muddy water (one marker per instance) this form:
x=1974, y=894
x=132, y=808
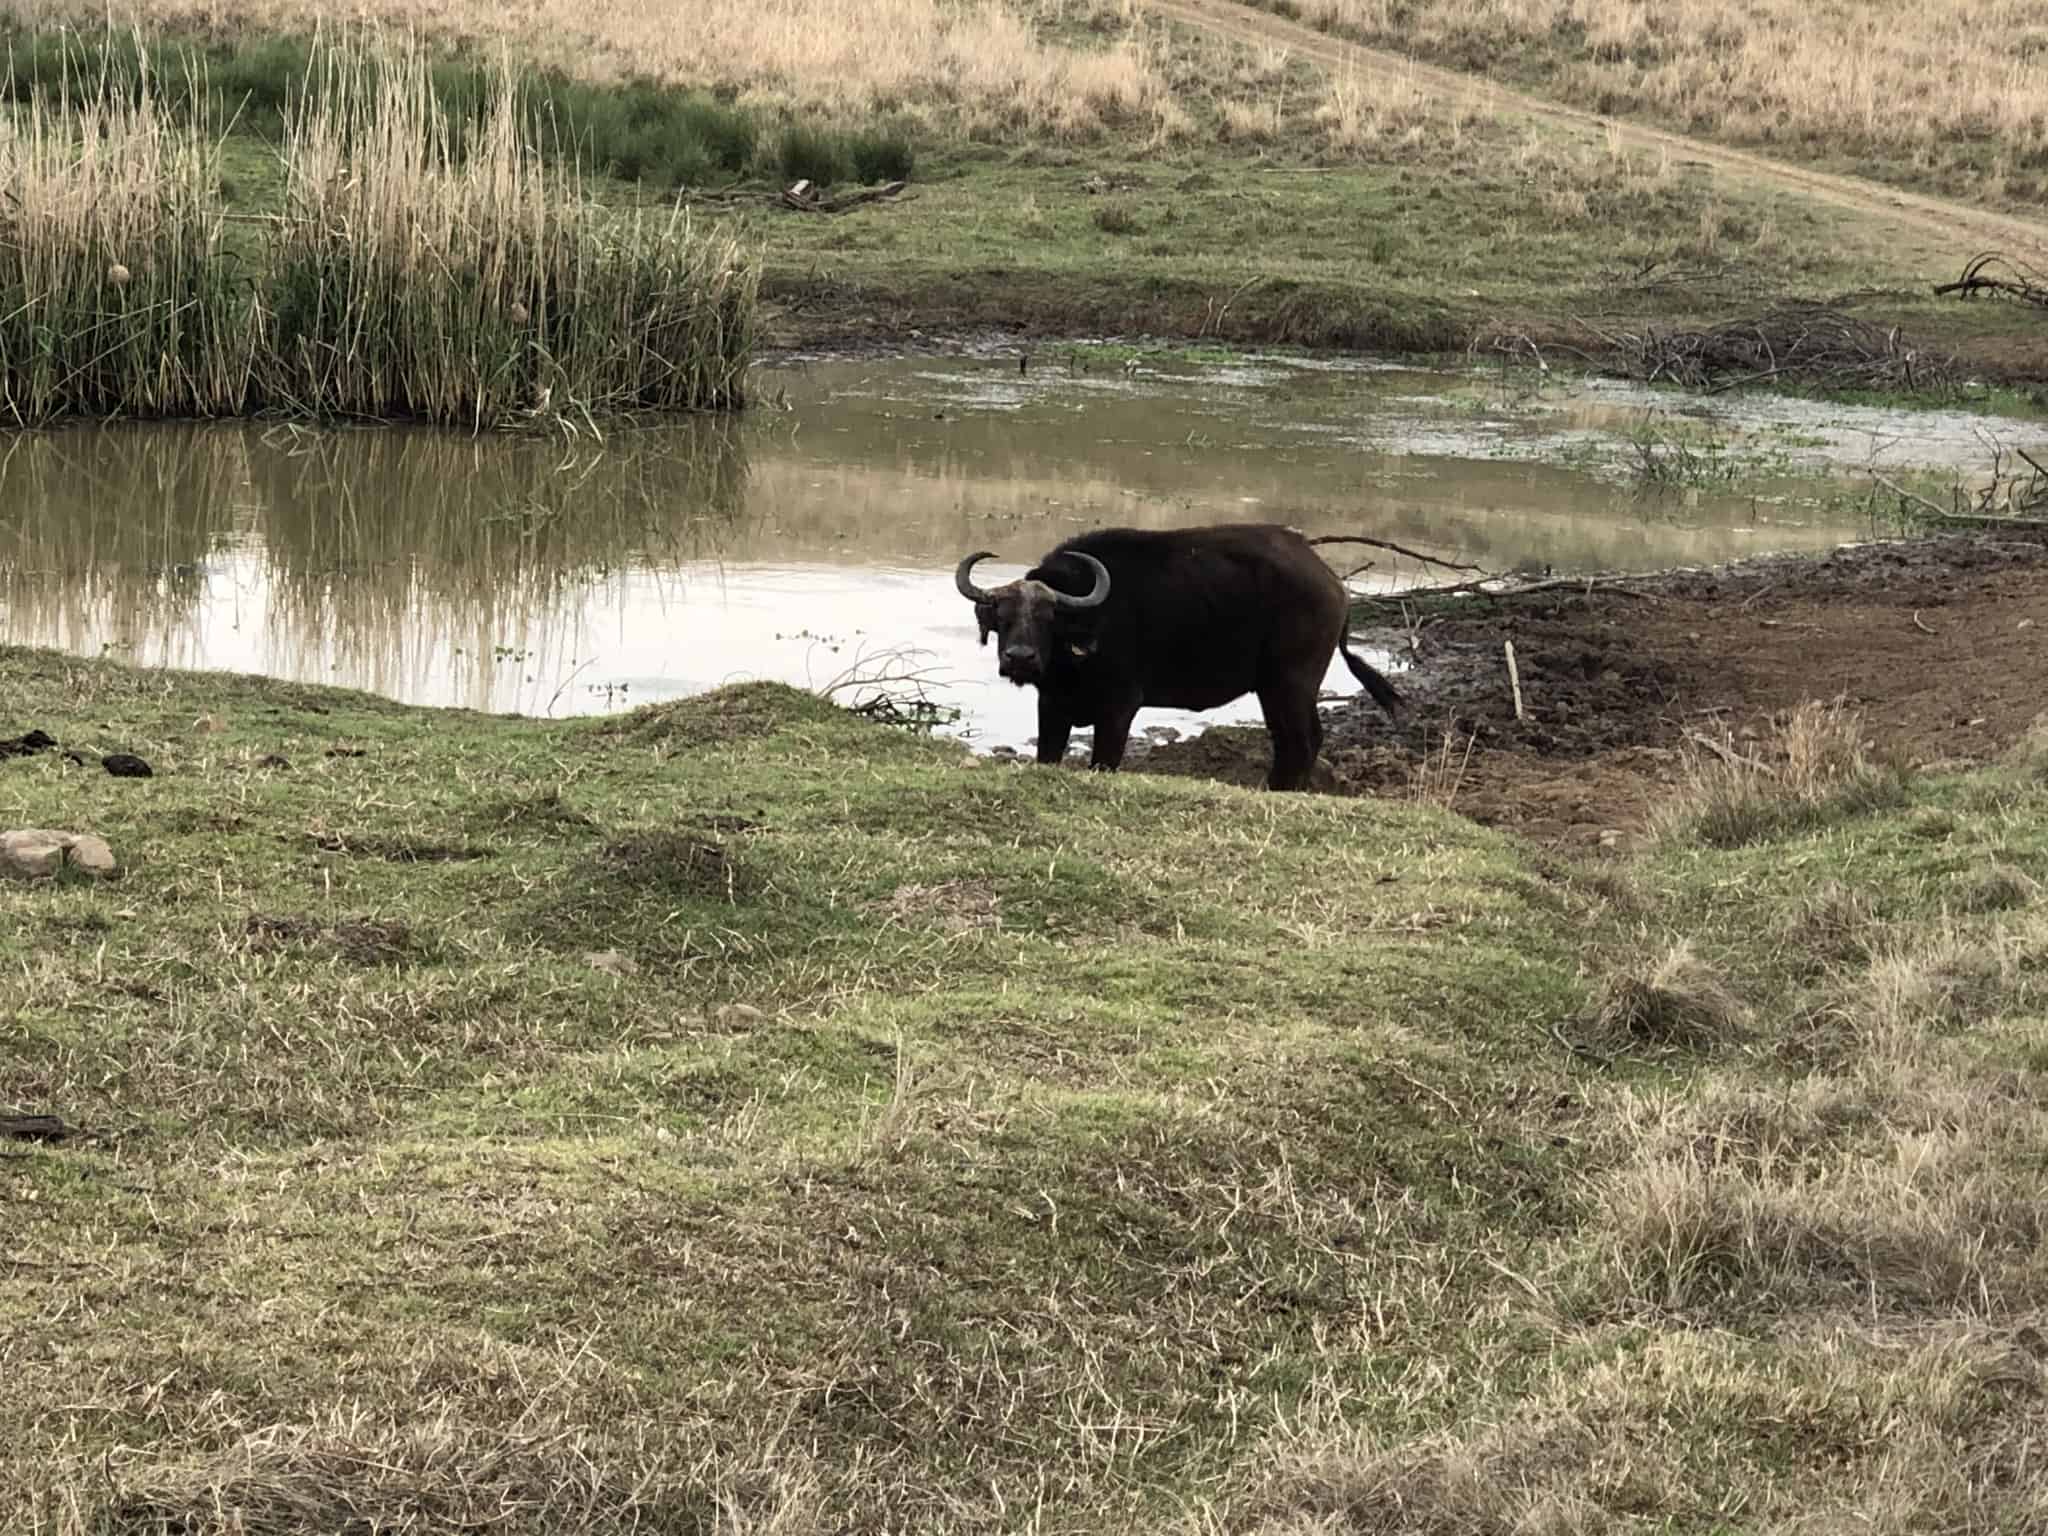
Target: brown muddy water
x=814, y=541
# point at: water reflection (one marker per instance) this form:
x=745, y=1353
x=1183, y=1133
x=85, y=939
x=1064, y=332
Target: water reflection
x=533, y=576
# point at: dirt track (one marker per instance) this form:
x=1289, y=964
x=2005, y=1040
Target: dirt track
x=1942, y=644
x=1932, y=234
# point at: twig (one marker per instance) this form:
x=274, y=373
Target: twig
x=1921, y=624
x=1728, y=754
x=1414, y=1082
x=1514, y=676
x=1905, y=495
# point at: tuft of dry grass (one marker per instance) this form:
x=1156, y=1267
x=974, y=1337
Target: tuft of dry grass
x=1815, y=767
x=1679, y=1000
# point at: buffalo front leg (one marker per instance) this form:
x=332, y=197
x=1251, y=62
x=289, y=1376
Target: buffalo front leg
x=1297, y=731
x=1054, y=727
x=1112, y=735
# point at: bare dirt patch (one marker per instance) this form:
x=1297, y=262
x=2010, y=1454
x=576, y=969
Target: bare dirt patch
x=1940, y=643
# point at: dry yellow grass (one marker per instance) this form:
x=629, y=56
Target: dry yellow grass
x=989, y=62
x=1937, y=83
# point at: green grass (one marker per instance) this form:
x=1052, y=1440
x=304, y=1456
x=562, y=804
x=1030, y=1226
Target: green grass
x=735, y=1106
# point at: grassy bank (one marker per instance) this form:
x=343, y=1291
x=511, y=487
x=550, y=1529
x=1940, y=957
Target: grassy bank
x=419, y=262
x=734, y=1116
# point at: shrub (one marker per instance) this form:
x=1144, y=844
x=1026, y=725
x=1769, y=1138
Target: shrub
x=812, y=154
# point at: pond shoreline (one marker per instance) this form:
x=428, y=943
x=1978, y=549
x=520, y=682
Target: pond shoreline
x=1935, y=640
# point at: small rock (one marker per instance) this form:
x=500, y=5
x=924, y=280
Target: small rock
x=1610, y=838
x=664, y=1134
x=126, y=765
x=35, y=854
x=613, y=962
x=2025, y=624
x=31, y=855
x=209, y=724
x=92, y=855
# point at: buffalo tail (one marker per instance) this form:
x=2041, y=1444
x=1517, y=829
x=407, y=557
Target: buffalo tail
x=1381, y=690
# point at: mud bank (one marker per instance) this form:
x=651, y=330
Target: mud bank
x=1941, y=643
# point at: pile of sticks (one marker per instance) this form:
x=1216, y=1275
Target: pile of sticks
x=2016, y=495
x=1811, y=342
x=2019, y=280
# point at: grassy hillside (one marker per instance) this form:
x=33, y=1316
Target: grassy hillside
x=737, y=1117
x=1941, y=97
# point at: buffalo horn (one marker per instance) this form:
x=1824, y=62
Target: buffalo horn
x=1094, y=599
x=965, y=582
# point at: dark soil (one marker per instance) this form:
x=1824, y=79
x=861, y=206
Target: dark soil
x=1941, y=643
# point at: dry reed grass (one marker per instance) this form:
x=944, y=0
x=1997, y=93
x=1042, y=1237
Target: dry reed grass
x=477, y=283
x=987, y=63
x=113, y=296
x=1934, y=86
x=408, y=275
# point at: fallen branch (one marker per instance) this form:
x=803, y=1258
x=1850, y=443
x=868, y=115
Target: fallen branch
x=1728, y=754
x=1943, y=514
x=2023, y=285
x=1514, y=676
x=1412, y=554
x=805, y=197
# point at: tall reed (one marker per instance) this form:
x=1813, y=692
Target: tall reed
x=113, y=293
x=435, y=268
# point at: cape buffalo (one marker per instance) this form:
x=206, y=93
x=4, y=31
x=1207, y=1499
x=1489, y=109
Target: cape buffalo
x=1116, y=620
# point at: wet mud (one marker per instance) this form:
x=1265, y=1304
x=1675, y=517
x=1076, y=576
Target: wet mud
x=1940, y=643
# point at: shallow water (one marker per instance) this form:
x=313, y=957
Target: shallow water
x=816, y=539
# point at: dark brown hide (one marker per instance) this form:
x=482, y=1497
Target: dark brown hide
x=1193, y=619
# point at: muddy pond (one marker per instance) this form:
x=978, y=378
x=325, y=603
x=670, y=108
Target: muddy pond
x=814, y=541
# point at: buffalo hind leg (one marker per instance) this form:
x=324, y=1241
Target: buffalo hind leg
x=1053, y=730
x=1296, y=727
x=1112, y=735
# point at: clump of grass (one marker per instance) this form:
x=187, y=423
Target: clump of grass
x=1677, y=1000
x=1833, y=925
x=1816, y=767
x=2027, y=758
x=2000, y=888
x=482, y=287
x=1118, y=218
x=114, y=297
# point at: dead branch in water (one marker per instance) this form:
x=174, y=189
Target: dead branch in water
x=1359, y=538
x=2025, y=284
x=1483, y=586
x=1813, y=342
